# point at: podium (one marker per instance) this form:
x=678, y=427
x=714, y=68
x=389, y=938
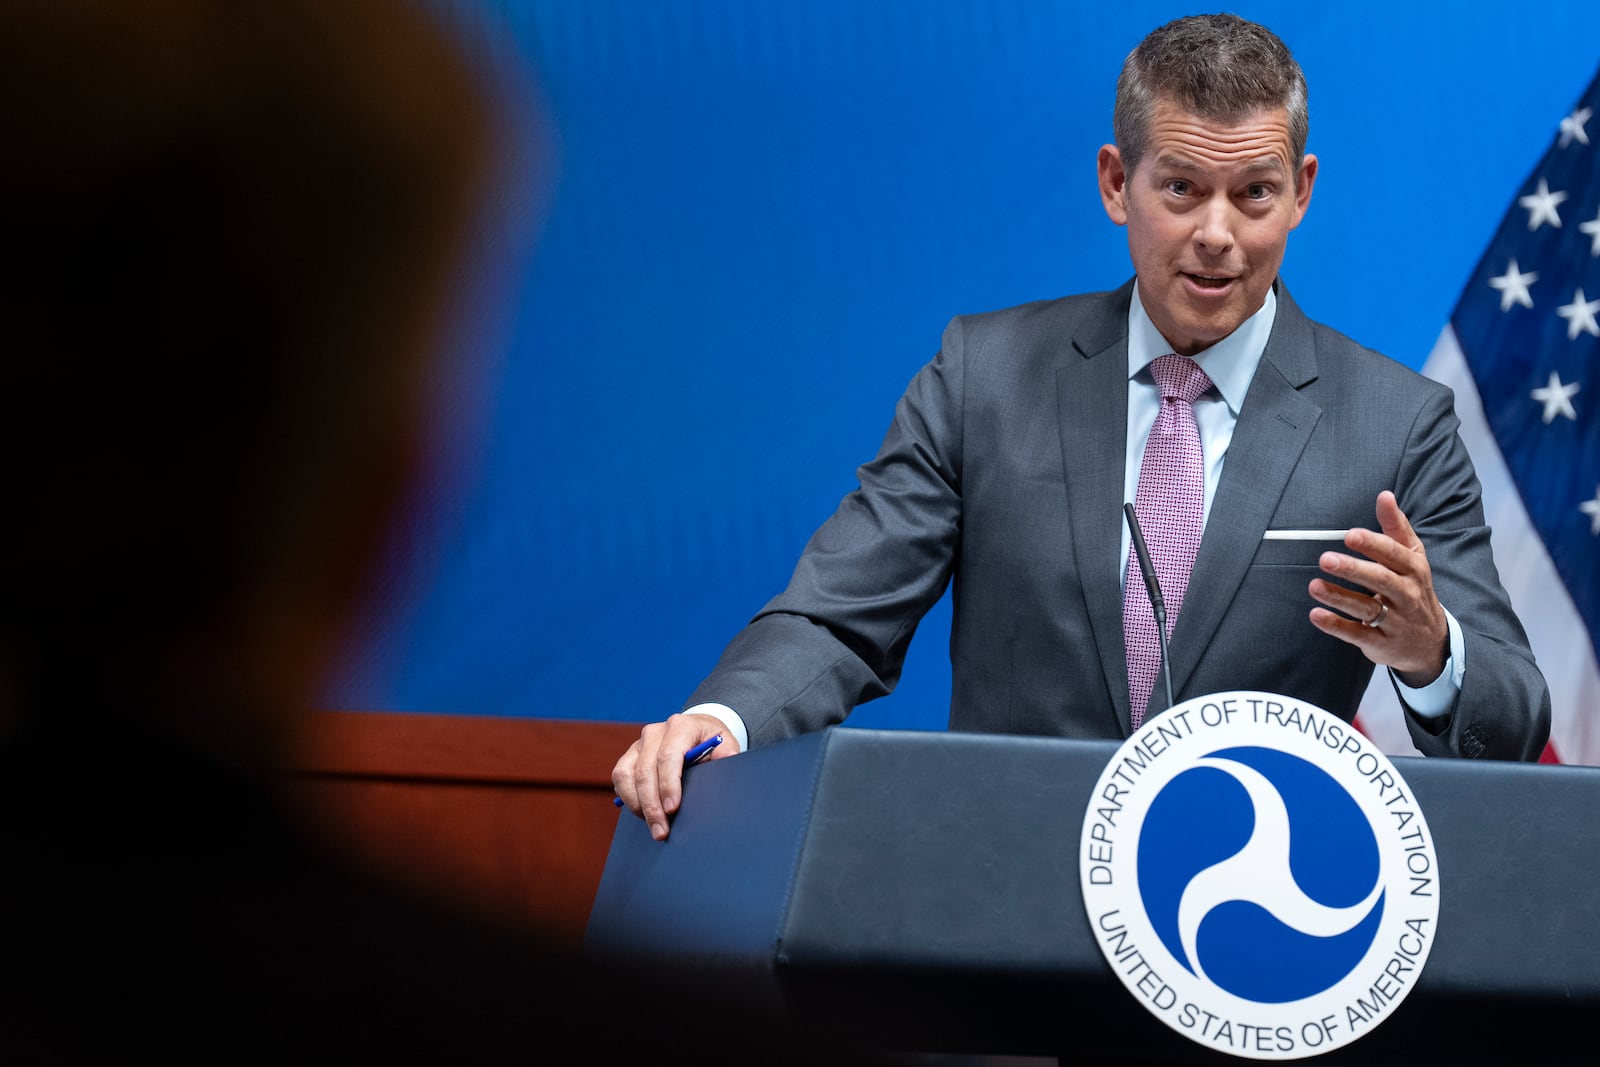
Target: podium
x=918, y=892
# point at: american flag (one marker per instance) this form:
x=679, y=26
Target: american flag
x=1521, y=350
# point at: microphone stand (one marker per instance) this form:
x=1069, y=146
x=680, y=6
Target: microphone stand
x=1153, y=588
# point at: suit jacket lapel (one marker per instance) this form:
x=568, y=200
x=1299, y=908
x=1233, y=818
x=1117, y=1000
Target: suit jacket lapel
x=1274, y=424
x=1091, y=394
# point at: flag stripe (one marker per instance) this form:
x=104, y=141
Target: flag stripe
x=1561, y=642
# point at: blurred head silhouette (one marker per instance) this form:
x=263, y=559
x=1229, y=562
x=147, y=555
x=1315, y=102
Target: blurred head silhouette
x=234, y=229
x=231, y=228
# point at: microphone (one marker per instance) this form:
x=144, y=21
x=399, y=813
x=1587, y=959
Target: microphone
x=1158, y=605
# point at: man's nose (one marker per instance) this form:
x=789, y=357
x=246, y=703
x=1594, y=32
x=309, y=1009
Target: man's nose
x=1214, y=227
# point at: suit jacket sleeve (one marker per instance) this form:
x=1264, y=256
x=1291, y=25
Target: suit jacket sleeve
x=1503, y=709
x=838, y=634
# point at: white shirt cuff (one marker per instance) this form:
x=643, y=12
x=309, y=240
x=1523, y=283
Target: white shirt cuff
x=1438, y=696
x=730, y=719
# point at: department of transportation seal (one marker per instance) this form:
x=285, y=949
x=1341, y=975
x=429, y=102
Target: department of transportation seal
x=1259, y=876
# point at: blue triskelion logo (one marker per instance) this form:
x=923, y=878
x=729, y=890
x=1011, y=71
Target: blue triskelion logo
x=1259, y=875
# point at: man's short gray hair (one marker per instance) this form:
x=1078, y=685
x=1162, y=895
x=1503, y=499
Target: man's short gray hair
x=1219, y=67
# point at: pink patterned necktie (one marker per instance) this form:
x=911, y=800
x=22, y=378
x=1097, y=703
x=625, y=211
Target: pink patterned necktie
x=1170, y=503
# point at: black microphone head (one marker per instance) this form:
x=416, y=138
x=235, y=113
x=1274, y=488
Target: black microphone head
x=1147, y=569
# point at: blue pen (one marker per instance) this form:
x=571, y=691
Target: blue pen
x=691, y=757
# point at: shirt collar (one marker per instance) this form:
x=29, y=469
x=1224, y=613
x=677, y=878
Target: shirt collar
x=1230, y=363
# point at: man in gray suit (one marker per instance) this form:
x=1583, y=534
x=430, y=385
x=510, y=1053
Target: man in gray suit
x=1012, y=453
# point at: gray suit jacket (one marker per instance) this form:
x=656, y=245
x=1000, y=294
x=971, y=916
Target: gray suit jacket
x=1003, y=473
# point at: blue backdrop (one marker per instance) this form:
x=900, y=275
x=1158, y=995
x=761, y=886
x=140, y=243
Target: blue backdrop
x=751, y=221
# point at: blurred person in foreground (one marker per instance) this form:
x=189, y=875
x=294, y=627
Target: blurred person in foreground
x=232, y=230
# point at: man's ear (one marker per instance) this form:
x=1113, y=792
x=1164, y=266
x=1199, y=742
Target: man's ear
x=1304, y=180
x=1113, y=184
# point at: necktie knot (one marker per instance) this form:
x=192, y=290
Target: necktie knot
x=1179, y=378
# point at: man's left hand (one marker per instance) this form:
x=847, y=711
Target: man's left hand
x=1398, y=622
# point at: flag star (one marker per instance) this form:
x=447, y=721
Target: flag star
x=1591, y=508
x=1592, y=228
x=1542, y=205
x=1513, y=286
x=1580, y=316
x=1572, y=127
x=1556, y=398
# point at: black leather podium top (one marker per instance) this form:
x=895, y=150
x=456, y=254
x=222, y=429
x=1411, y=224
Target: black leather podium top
x=919, y=891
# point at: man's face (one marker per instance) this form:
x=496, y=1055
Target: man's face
x=1208, y=213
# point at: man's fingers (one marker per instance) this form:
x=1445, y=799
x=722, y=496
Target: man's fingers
x=1397, y=548
x=1386, y=553
x=1358, y=605
x=1394, y=523
x=627, y=765
x=648, y=779
x=1391, y=613
x=680, y=736
x=1347, y=630
x=636, y=780
x=1371, y=578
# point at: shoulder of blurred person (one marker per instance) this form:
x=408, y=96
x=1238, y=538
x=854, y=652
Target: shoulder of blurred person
x=234, y=228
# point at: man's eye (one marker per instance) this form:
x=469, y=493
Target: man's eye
x=1178, y=187
x=1258, y=191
